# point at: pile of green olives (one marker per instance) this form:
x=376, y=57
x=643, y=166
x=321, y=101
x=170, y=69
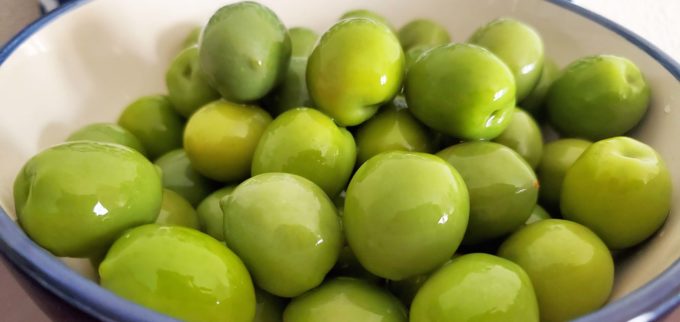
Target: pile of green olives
x=367, y=173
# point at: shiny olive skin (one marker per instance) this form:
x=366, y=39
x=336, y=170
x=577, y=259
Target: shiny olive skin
x=306, y=142
x=476, y=287
x=570, y=267
x=153, y=120
x=220, y=139
x=75, y=198
x=244, y=51
x=461, y=90
x=108, y=133
x=176, y=211
x=518, y=45
x=302, y=41
x=620, y=188
x=338, y=78
x=292, y=92
x=180, y=272
x=558, y=157
x=192, y=38
x=524, y=136
x=187, y=86
x=534, y=102
x=288, y=251
x=598, y=97
x=423, y=32
x=368, y=14
x=537, y=214
x=503, y=188
x=180, y=177
x=405, y=213
x=210, y=215
x=345, y=299
x=392, y=129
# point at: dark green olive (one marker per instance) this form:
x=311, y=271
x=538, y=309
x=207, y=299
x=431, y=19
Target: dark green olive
x=503, y=188
x=292, y=92
x=179, y=176
x=210, y=214
x=244, y=51
x=524, y=136
x=187, y=86
x=268, y=308
x=535, y=101
x=153, y=120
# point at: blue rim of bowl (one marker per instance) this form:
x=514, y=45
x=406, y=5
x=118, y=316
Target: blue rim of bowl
x=650, y=302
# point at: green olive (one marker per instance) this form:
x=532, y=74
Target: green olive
x=268, y=308
x=423, y=32
x=357, y=66
x=306, y=142
x=220, y=139
x=414, y=53
x=524, y=136
x=534, y=102
x=516, y=44
x=598, y=97
x=558, y=157
x=393, y=129
x=285, y=229
x=107, y=132
x=461, y=90
x=292, y=92
x=569, y=266
x=620, y=188
x=153, y=120
x=476, y=287
x=407, y=288
x=302, y=41
x=187, y=86
x=210, y=215
x=537, y=214
x=503, y=188
x=405, y=213
x=348, y=265
x=192, y=38
x=244, y=51
x=180, y=272
x=176, y=211
x=345, y=299
x=180, y=177
x=76, y=198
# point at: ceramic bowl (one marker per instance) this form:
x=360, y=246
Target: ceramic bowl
x=87, y=60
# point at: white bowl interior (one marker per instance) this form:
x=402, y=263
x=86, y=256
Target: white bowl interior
x=88, y=64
